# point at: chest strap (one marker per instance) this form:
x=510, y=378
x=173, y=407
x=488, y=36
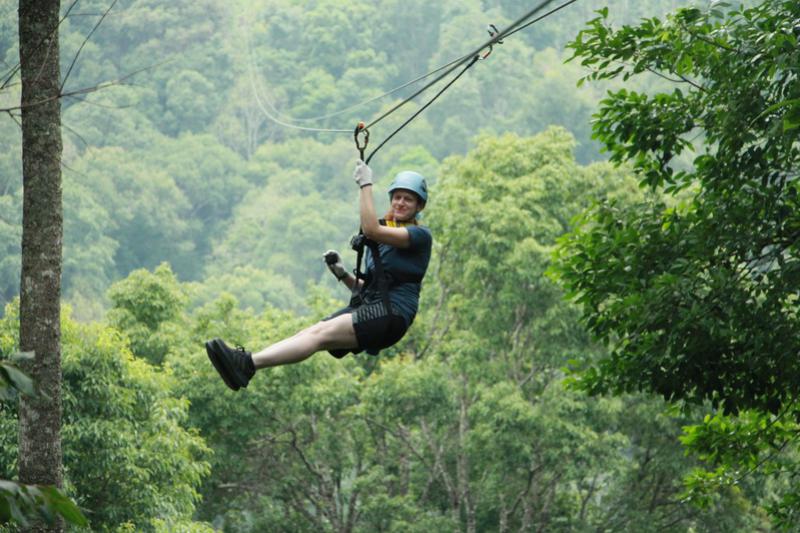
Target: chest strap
x=383, y=279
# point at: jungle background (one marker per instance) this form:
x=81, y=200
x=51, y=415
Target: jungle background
x=190, y=212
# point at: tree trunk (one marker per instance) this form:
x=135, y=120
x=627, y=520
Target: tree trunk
x=40, y=286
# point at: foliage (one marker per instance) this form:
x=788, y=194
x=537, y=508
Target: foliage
x=20, y=503
x=537, y=455
x=519, y=195
x=12, y=381
x=147, y=306
x=269, y=222
x=467, y=424
x=698, y=300
x=744, y=451
x=128, y=454
x=696, y=296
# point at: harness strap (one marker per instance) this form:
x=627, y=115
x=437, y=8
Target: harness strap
x=383, y=279
x=421, y=109
x=383, y=285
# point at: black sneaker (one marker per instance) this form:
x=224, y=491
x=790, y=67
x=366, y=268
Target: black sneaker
x=237, y=364
x=220, y=368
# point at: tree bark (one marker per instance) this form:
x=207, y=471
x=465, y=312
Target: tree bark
x=40, y=283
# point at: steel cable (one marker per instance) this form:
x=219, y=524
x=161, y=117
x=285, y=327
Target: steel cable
x=516, y=26
x=495, y=38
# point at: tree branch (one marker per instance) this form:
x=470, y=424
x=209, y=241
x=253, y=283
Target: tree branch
x=16, y=67
x=80, y=48
x=438, y=464
x=442, y=298
x=308, y=465
x=96, y=104
x=410, y=446
x=85, y=90
x=708, y=41
x=683, y=79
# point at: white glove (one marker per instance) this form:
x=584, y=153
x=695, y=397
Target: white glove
x=362, y=174
x=335, y=264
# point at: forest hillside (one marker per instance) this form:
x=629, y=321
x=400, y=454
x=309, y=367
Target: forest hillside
x=607, y=330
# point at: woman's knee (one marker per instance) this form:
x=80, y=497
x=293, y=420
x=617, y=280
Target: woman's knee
x=333, y=331
x=318, y=330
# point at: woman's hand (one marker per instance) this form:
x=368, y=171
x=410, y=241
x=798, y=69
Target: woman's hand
x=335, y=264
x=362, y=174
x=397, y=237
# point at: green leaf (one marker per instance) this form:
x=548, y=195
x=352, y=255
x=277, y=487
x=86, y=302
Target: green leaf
x=795, y=103
x=5, y=509
x=64, y=506
x=16, y=379
x=791, y=119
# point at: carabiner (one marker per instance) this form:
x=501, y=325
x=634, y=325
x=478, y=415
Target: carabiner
x=361, y=127
x=492, y=29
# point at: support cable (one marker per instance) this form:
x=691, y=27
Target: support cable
x=495, y=38
x=537, y=19
x=376, y=98
x=275, y=119
x=275, y=112
x=470, y=59
x=412, y=117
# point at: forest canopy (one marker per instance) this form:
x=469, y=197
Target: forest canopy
x=607, y=330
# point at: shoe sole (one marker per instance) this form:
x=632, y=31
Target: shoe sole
x=219, y=366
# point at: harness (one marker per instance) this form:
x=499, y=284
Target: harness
x=383, y=279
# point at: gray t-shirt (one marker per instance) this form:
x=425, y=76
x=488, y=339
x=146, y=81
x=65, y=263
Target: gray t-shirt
x=411, y=261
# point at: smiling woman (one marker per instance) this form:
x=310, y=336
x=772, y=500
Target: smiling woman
x=384, y=301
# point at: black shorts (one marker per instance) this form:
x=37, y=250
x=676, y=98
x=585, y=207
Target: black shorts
x=375, y=328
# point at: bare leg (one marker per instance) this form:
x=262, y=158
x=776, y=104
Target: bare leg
x=326, y=335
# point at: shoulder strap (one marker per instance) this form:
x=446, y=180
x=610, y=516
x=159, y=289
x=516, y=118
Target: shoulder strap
x=382, y=278
x=358, y=243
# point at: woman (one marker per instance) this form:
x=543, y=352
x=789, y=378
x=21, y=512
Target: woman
x=382, y=308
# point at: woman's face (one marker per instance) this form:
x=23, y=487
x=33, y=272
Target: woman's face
x=405, y=205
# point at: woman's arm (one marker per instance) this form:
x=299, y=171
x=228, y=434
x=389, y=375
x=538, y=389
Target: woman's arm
x=397, y=237
x=335, y=264
x=350, y=280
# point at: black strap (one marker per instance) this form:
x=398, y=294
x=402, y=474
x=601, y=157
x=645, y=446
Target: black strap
x=412, y=117
x=383, y=283
x=383, y=279
x=359, y=242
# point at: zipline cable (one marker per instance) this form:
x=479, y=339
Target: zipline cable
x=537, y=19
x=376, y=98
x=279, y=121
x=358, y=104
x=276, y=113
x=412, y=117
x=451, y=66
x=495, y=38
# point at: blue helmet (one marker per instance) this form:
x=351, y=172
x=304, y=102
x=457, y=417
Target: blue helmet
x=411, y=181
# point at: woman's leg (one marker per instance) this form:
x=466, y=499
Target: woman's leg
x=330, y=334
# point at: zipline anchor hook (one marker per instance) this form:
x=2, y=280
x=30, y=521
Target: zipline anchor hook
x=492, y=29
x=361, y=127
